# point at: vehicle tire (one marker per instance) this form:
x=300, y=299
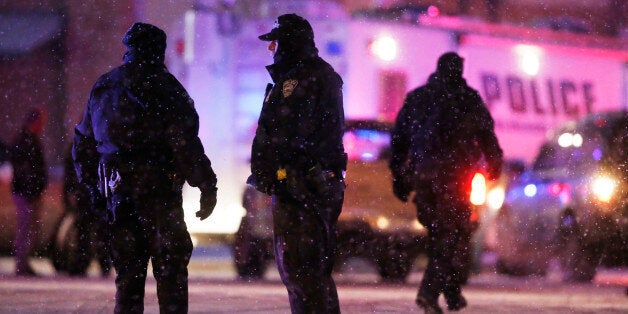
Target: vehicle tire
x=537, y=266
x=394, y=268
x=505, y=242
x=509, y=261
x=353, y=239
x=250, y=260
x=250, y=253
x=394, y=257
x=577, y=262
x=64, y=251
x=511, y=269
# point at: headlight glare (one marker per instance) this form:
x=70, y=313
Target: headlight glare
x=603, y=188
x=382, y=222
x=495, y=198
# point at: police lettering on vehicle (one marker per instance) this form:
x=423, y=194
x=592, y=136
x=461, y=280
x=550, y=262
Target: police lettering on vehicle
x=551, y=97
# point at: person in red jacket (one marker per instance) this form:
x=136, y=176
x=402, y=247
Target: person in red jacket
x=29, y=182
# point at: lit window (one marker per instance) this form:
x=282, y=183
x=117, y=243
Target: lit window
x=190, y=21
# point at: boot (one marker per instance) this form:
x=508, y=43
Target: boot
x=456, y=302
x=430, y=306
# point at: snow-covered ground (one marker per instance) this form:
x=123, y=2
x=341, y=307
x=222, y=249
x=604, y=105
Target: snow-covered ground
x=214, y=289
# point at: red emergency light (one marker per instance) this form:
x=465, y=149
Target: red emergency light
x=558, y=188
x=433, y=11
x=478, y=189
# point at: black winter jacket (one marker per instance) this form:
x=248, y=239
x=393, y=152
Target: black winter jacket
x=138, y=114
x=425, y=140
x=301, y=123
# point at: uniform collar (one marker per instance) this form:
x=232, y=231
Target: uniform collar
x=286, y=60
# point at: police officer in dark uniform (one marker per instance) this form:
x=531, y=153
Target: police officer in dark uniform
x=135, y=146
x=441, y=134
x=298, y=157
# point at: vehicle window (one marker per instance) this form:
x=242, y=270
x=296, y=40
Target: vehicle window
x=546, y=158
x=582, y=152
x=366, y=144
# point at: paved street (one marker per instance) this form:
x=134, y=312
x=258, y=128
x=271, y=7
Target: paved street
x=214, y=289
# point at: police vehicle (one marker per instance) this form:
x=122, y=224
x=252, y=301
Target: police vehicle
x=373, y=225
x=571, y=205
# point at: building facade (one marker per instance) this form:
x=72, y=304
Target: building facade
x=54, y=65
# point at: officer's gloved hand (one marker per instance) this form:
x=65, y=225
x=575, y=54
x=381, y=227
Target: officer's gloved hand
x=208, y=202
x=316, y=179
x=401, y=189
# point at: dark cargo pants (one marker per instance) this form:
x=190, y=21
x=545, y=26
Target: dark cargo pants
x=445, y=211
x=150, y=226
x=305, y=241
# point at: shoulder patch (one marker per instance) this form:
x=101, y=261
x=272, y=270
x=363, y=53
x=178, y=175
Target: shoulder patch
x=288, y=87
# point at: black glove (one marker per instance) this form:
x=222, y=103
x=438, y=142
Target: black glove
x=315, y=179
x=208, y=202
x=401, y=189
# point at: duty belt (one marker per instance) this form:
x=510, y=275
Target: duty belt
x=327, y=174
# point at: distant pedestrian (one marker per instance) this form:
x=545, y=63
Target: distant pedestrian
x=441, y=134
x=135, y=147
x=30, y=179
x=298, y=157
x=4, y=153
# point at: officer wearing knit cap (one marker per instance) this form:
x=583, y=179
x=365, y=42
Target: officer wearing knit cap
x=450, y=64
x=145, y=35
x=144, y=42
x=136, y=146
